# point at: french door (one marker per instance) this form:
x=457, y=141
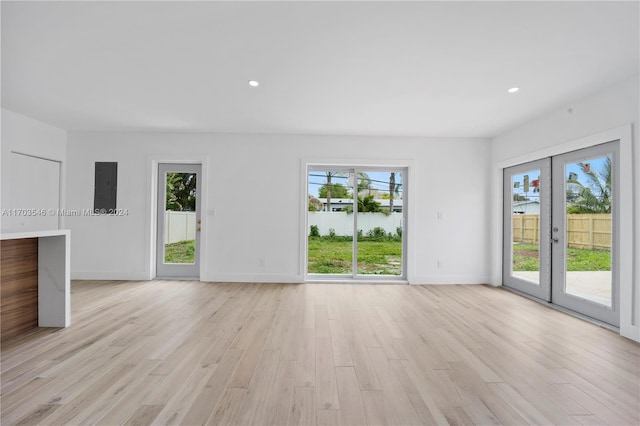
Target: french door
x=527, y=218
x=179, y=223
x=355, y=222
x=560, y=231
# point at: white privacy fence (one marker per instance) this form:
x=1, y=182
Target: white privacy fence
x=342, y=222
x=179, y=226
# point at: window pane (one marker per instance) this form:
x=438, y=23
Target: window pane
x=525, y=202
x=588, y=228
x=180, y=218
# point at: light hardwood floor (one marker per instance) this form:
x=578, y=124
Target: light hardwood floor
x=171, y=352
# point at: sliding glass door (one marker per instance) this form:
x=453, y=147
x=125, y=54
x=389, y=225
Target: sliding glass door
x=355, y=222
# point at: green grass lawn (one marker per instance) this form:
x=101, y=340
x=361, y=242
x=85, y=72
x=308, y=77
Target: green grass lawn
x=525, y=258
x=180, y=252
x=334, y=256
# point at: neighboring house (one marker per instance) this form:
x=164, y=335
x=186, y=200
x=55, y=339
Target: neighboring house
x=337, y=204
x=340, y=204
x=526, y=207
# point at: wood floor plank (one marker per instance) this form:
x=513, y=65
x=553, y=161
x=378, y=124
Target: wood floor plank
x=524, y=408
x=228, y=408
x=322, y=322
x=257, y=404
x=329, y=418
x=306, y=359
x=425, y=408
x=396, y=403
x=204, y=405
x=622, y=402
x=326, y=388
x=589, y=420
x=361, y=362
x=352, y=408
x=340, y=346
x=477, y=398
x=244, y=371
x=184, y=396
x=130, y=404
x=189, y=352
x=303, y=410
x=597, y=408
x=39, y=414
x=280, y=399
x=143, y=416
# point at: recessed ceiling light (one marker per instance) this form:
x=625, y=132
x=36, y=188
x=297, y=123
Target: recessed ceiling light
x=513, y=90
x=254, y=83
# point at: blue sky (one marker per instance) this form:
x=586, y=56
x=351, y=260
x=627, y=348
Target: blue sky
x=379, y=180
x=596, y=164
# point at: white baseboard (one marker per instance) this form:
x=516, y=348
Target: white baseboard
x=448, y=279
x=253, y=278
x=109, y=275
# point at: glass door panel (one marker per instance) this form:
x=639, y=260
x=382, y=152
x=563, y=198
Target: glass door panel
x=330, y=222
x=584, y=216
x=588, y=230
x=526, y=228
x=379, y=222
x=180, y=218
x=179, y=221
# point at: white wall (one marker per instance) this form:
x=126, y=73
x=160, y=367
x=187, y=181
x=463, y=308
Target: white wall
x=34, y=180
x=571, y=127
x=446, y=175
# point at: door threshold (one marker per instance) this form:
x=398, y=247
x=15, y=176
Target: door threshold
x=356, y=281
x=564, y=310
x=177, y=278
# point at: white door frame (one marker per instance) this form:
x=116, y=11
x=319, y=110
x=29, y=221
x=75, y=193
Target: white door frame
x=151, y=208
x=177, y=270
x=407, y=207
x=628, y=298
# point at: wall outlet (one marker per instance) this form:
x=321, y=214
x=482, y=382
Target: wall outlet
x=439, y=264
x=263, y=263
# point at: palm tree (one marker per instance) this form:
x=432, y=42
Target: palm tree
x=181, y=191
x=392, y=190
x=594, y=196
x=364, y=182
x=329, y=176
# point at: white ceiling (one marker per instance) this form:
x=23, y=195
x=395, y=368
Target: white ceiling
x=383, y=68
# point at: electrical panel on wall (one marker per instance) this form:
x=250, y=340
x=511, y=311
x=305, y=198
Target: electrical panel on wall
x=106, y=185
